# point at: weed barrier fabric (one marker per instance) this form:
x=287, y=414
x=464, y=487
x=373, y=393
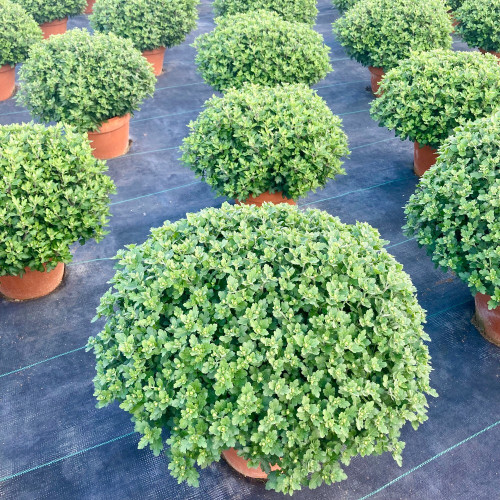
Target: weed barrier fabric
x=55, y=444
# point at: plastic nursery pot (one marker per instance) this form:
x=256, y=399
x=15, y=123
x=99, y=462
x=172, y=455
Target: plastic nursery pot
x=240, y=465
x=90, y=6
x=57, y=27
x=111, y=140
x=275, y=198
x=490, y=52
x=7, y=81
x=155, y=57
x=32, y=284
x=376, y=77
x=423, y=158
x=454, y=22
x=488, y=321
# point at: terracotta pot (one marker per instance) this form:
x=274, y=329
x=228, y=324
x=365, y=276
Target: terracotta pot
x=424, y=158
x=490, y=52
x=90, y=6
x=32, y=284
x=111, y=140
x=155, y=57
x=454, y=22
x=240, y=465
x=488, y=321
x=376, y=77
x=275, y=198
x=7, y=81
x=57, y=27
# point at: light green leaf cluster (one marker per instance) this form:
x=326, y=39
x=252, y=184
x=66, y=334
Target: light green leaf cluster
x=343, y=5
x=261, y=47
x=380, y=33
x=480, y=23
x=44, y=11
x=53, y=193
x=83, y=79
x=18, y=33
x=429, y=94
x=455, y=211
x=285, y=334
x=301, y=11
x=258, y=139
x=150, y=24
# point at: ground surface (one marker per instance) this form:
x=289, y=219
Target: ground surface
x=55, y=444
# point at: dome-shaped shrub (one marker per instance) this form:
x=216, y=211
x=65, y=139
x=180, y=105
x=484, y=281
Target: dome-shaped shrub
x=285, y=334
x=455, y=212
x=261, y=47
x=44, y=11
x=431, y=93
x=150, y=24
x=302, y=11
x=84, y=79
x=379, y=33
x=53, y=193
x=343, y=5
x=257, y=139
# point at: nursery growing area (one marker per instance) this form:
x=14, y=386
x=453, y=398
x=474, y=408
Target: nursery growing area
x=55, y=443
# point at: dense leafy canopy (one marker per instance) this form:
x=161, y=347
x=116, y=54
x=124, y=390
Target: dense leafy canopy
x=45, y=11
x=261, y=47
x=53, y=193
x=454, y=4
x=84, y=79
x=285, y=334
x=455, y=212
x=379, y=33
x=430, y=94
x=150, y=24
x=344, y=5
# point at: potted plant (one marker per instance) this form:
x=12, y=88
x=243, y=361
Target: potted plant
x=52, y=15
x=282, y=334
x=151, y=25
x=455, y=213
x=431, y=93
x=259, y=144
x=19, y=32
x=261, y=47
x=480, y=25
x=100, y=80
x=344, y=5
x=302, y=11
x=53, y=193
x=379, y=33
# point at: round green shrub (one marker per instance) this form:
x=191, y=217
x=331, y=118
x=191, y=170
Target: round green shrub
x=455, y=212
x=380, y=33
x=18, y=33
x=44, y=11
x=150, y=24
x=259, y=139
x=261, y=47
x=430, y=94
x=53, y=193
x=479, y=23
x=343, y=5
x=285, y=334
x=84, y=79
x=302, y=11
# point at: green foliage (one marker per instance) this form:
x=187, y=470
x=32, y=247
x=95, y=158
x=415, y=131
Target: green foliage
x=261, y=47
x=84, y=79
x=380, y=33
x=454, y=4
x=455, y=212
x=283, y=333
x=430, y=94
x=150, y=24
x=343, y=5
x=480, y=23
x=302, y=11
x=44, y=11
x=18, y=33
x=259, y=139
x=53, y=193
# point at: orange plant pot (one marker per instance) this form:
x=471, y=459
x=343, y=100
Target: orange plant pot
x=7, y=81
x=424, y=158
x=90, y=6
x=376, y=77
x=275, y=198
x=111, y=140
x=32, y=284
x=490, y=52
x=487, y=320
x=57, y=27
x=240, y=465
x=155, y=57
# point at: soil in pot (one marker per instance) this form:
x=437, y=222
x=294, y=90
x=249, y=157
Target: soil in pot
x=376, y=77
x=240, y=465
x=275, y=198
x=155, y=57
x=57, y=27
x=111, y=139
x=490, y=52
x=487, y=320
x=424, y=158
x=7, y=81
x=90, y=6
x=32, y=284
